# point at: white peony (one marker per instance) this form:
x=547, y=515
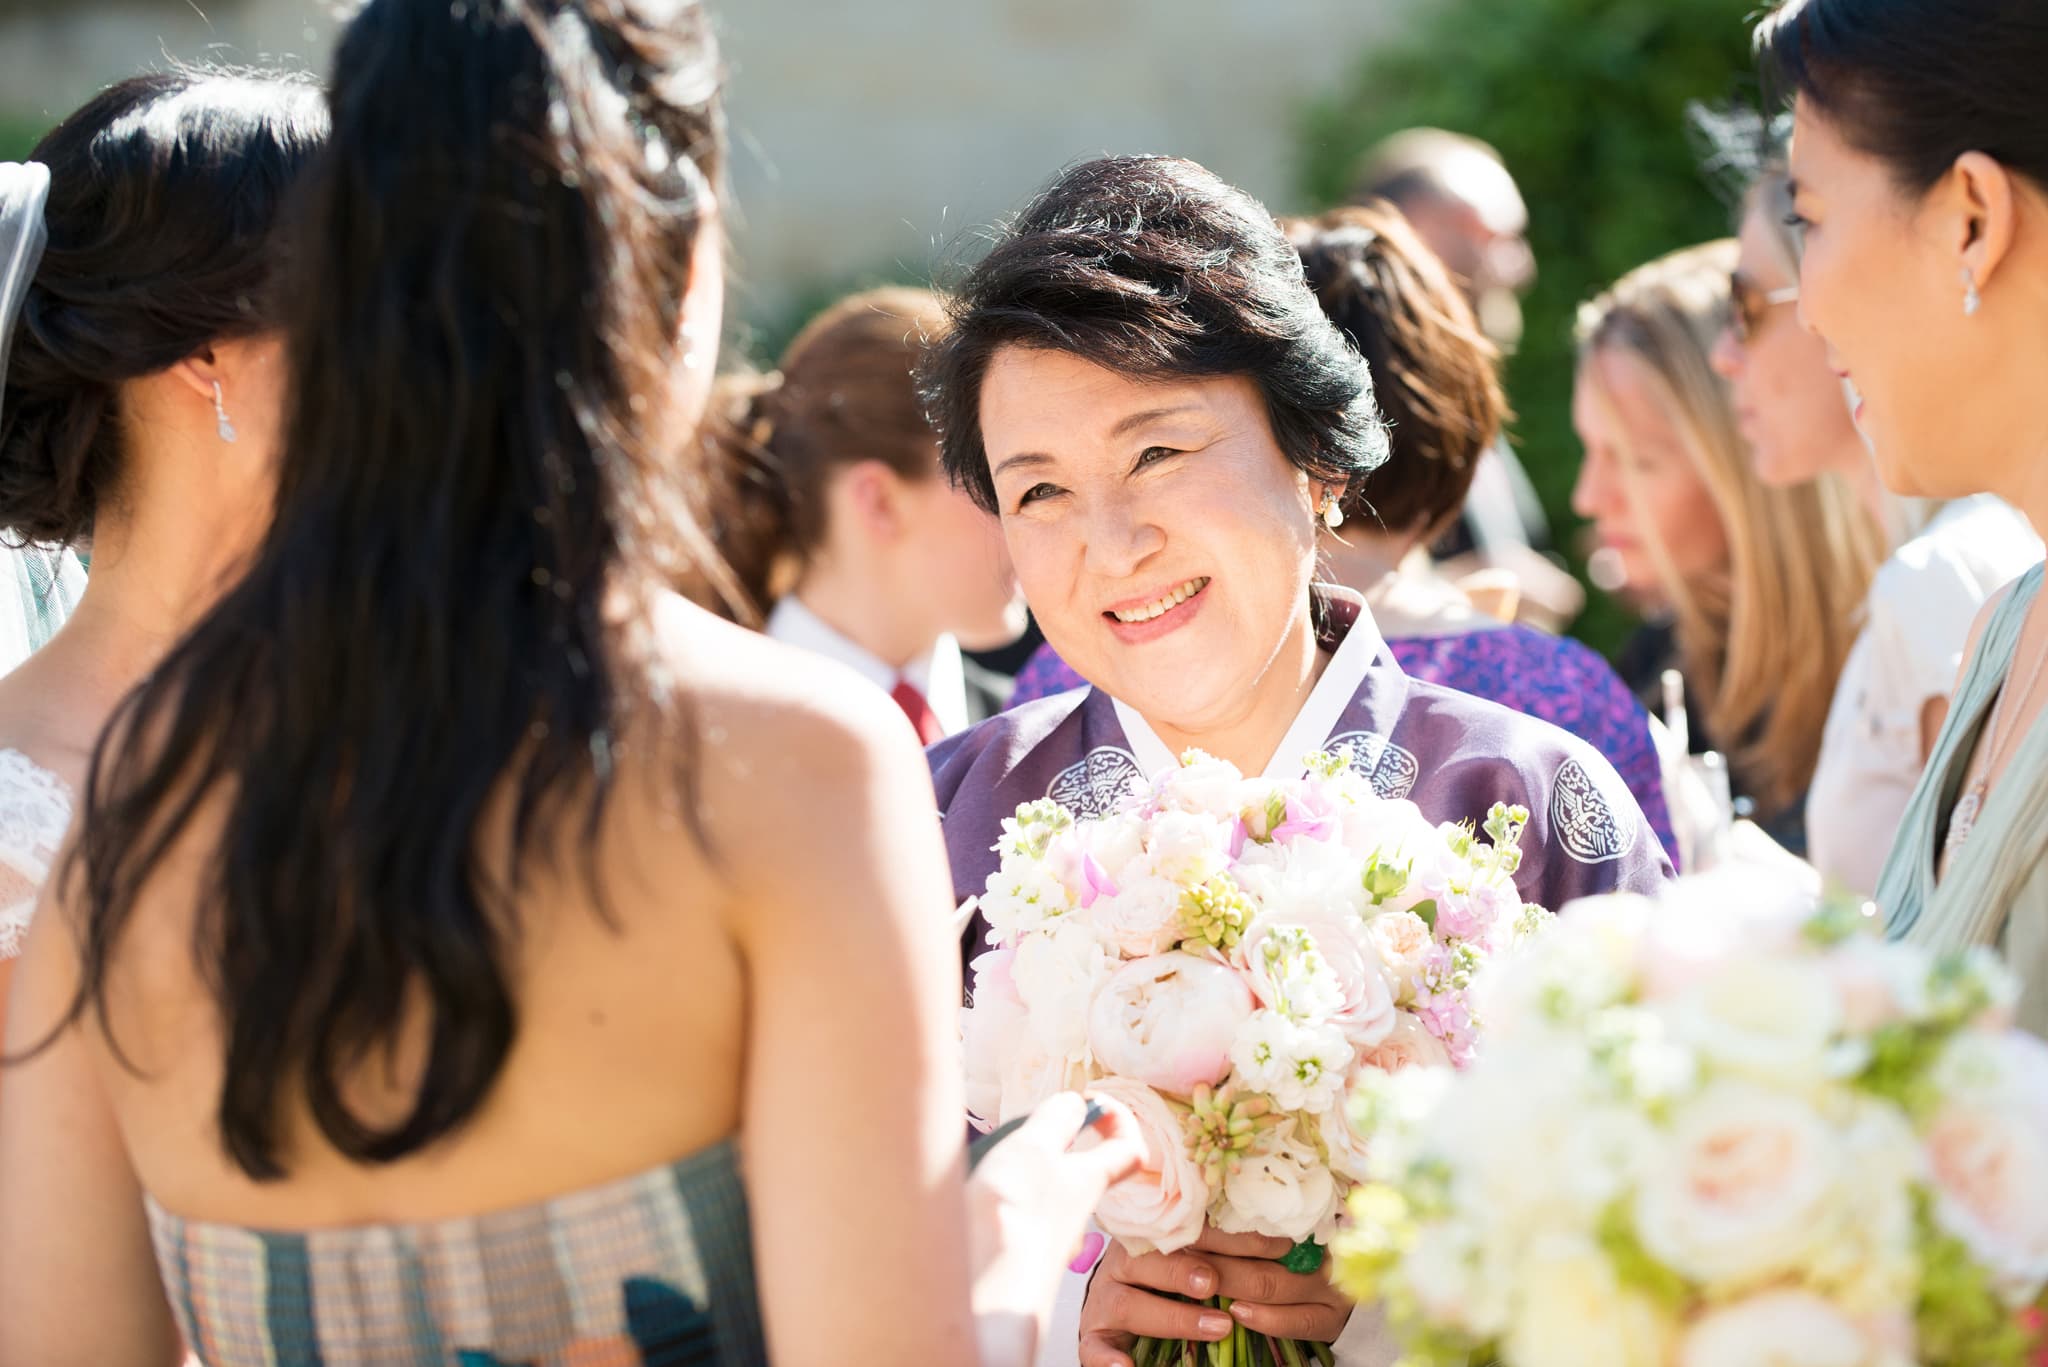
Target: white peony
x=1987, y=1149
x=1572, y=1311
x=1301, y=1067
x=1168, y=1021
x=1784, y=1328
x=1283, y=1190
x=1057, y=973
x=1203, y=785
x=1741, y=1187
x=1165, y=1203
x=1031, y=1077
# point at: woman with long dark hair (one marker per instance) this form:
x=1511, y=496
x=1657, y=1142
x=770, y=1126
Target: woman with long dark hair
x=1920, y=159
x=434, y=979
x=140, y=263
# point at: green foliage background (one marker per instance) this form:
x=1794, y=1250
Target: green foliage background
x=1586, y=101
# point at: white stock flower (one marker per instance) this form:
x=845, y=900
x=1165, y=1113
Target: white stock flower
x=1742, y=1185
x=1286, y=970
x=1301, y=1067
x=1168, y=1021
x=1021, y=897
x=1785, y=1328
x=1283, y=1190
x=1573, y=1311
x=1057, y=973
x=1987, y=1148
x=1327, y=970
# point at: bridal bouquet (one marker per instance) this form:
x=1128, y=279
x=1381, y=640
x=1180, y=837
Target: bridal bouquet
x=1228, y=957
x=1717, y=1130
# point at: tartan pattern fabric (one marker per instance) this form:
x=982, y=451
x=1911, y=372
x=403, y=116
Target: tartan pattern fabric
x=47, y=595
x=652, y=1271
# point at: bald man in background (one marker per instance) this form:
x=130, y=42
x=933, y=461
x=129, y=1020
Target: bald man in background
x=1464, y=204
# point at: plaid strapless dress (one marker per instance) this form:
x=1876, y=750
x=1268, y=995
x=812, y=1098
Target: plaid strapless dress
x=652, y=1269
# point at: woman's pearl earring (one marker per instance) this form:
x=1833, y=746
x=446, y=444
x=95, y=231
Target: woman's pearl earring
x=1972, y=301
x=1333, y=512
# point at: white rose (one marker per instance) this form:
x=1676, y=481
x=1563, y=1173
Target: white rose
x=1586, y=962
x=1142, y=919
x=1778, y=1329
x=1742, y=1187
x=1162, y=1205
x=1207, y=785
x=1168, y=1021
x=1283, y=1191
x=1057, y=973
x=1775, y=1020
x=990, y=1030
x=1987, y=1148
x=1031, y=1076
x=1572, y=1311
x=1874, y=981
x=1301, y=1067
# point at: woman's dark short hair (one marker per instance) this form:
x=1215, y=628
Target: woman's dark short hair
x=1435, y=374
x=167, y=197
x=1917, y=83
x=1153, y=267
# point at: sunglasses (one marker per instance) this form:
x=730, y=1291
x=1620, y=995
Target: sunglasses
x=1751, y=304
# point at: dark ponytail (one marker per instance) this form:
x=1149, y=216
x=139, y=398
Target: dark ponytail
x=846, y=392
x=1918, y=83
x=480, y=450
x=166, y=196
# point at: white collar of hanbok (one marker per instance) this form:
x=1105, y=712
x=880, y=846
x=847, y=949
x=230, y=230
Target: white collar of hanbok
x=1358, y=649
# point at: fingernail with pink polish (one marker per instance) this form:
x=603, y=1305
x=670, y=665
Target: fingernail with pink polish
x=1091, y=1252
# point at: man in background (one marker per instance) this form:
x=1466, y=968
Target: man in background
x=1464, y=204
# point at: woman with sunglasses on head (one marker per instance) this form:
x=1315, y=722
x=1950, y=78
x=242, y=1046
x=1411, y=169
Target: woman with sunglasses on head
x=1919, y=169
x=1791, y=408
x=474, y=952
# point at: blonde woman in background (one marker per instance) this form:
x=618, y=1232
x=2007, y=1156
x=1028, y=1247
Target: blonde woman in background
x=1762, y=585
x=1895, y=687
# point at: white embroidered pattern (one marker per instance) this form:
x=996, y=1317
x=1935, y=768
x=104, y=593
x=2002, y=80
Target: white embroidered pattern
x=1095, y=786
x=1583, y=818
x=1390, y=770
x=35, y=809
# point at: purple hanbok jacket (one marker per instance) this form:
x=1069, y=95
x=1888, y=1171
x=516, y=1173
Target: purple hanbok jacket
x=1451, y=754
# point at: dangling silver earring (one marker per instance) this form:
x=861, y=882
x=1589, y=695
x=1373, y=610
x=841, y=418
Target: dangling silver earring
x=220, y=414
x=1333, y=512
x=1972, y=301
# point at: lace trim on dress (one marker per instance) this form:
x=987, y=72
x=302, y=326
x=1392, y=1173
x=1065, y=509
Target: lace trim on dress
x=35, y=809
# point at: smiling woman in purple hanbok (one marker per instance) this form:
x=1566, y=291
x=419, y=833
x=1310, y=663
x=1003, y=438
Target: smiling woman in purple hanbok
x=1141, y=384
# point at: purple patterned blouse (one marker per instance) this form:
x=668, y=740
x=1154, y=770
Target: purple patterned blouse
x=1553, y=678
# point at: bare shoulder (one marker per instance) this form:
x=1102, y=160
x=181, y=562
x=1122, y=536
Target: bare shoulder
x=781, y=742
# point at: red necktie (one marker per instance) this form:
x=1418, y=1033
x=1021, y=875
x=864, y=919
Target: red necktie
x=914, y=706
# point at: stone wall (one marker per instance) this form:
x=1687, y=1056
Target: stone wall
x=870, y=138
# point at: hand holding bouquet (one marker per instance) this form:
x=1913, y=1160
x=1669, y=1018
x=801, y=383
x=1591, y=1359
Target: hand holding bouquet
x=1227, y=957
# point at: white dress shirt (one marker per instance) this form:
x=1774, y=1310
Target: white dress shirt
x=937, y=673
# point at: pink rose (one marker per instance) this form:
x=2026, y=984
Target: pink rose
x=1408, y=1045
x=1168, y=1021
x=1786, y=1328
x=1162, y=1205
x=1988, y=1150
x=1403, y=941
